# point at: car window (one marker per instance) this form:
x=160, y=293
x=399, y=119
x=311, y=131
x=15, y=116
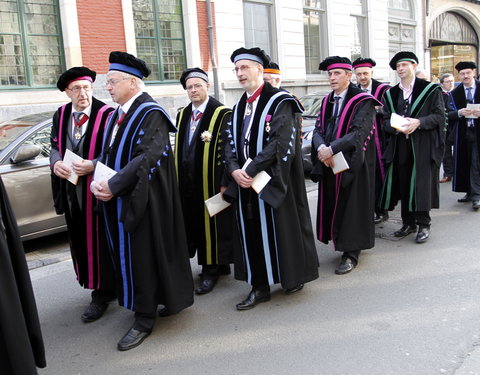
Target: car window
x=42, y=139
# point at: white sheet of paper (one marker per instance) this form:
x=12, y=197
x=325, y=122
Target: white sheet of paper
x=339, y=162
x=397, y=121
x=260, y=180
x=102, y=172
x=472, y=107
x=68, y=158
x=216, y=204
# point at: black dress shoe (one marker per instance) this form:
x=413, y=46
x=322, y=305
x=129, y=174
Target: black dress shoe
x=422, y=235
x=476, y=205
x=206, y=286
x=132, y=339
x=380, y=218
x=346, y=265
x=254, y=297
x=405, y=230
x=465, y=198
x=295, y=289
x=93, y=312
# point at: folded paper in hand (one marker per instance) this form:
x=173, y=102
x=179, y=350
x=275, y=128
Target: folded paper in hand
x=260, y=180
x=216, y=204
x=339, y=163
x=102, y=172
x=472, y=106
x=68, y=158
x=397, y=121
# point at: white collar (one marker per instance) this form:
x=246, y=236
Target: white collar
x=130, y=101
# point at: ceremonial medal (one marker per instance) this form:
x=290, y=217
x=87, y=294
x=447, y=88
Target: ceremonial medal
x=248, y=111
x=78, y=134
x=267, y=128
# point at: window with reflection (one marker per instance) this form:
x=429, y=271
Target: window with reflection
x=315, y=33
x=160, y=37
x=259, y=25
x=30, y=43
x=359, y=43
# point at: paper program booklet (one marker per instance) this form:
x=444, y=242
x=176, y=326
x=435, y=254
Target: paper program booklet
x=216, y=204
x=397, y=121
x=102, y=172
x=68, y=158
x=339, y=163
x=260, y=180
x=472, y=106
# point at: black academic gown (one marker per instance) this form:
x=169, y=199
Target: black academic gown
x=144, y=219
x=462, y=155
x=200, y=169
x=275, y=225
x=91, y=259
x=427, y=143
x=346, y=201
x=21, y=343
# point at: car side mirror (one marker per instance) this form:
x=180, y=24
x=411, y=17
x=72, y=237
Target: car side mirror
x=24, y=153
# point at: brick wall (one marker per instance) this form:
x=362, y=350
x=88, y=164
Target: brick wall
x=101, y=31
x=203, y=34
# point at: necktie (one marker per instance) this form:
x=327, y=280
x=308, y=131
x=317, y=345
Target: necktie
x=196, y=116
x=79, y=118
x=333, y=120
x=120, y=117
x=469, y=101
x=245, y=127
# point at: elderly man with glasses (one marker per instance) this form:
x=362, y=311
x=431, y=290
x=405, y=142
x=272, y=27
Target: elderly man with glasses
x=78, y=129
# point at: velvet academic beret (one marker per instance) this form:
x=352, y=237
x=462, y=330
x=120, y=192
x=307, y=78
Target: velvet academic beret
x=75, y=74
x=335, y=62
x=364, y=62
x=403, y=56
x=192, y=73
x=465, y=65
x=127, y=63
x=272, y=68
x=254, y=54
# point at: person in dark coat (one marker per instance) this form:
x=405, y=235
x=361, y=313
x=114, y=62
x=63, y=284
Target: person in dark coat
x=447, y=83
x=363, y=69
x=467, y=134
x=274, y=221
x=415, y=149
x=78, y=127
x=141, y=203
x=346, y=201
x=200, y=168
x=21, y=342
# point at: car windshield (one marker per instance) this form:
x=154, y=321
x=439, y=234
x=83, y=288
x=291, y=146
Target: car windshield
x=313, y=108
x=12, y=129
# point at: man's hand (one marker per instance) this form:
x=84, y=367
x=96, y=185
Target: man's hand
x=329, y=162
x=83, y=168
x=413, y=124
x=465, y=112
x=101, y=190
x=324, y=153
x=61, y=170
x=476, y=113
x=242, y=178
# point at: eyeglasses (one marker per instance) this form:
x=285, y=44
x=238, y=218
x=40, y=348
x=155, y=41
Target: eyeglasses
x=241, y=68
x=77, y=89
x=113, y=82
x=196, y=86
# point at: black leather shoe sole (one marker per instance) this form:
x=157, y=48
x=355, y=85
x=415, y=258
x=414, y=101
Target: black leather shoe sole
x=294, y=290
x=132, y=339
x=405, y=231
x=93, y=312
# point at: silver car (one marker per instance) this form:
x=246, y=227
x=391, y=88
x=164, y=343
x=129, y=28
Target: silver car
x=25, y=171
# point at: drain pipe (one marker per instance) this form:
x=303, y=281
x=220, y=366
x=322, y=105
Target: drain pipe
x=212, y=52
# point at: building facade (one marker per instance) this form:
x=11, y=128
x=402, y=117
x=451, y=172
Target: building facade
x=41, y=38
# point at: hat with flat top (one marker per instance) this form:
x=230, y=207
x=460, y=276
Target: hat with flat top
x=76, y=73
x=127, y=63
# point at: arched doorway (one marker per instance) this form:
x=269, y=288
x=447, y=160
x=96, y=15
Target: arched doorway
x=451, y=39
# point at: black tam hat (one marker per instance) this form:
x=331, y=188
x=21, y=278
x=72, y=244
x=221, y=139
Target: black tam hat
x=75, y=74
x=192, y=73
x=465, y=65
x=255, y=54
x=403, y=56
x=127, y=63
x=335, y=62
x=364, y=62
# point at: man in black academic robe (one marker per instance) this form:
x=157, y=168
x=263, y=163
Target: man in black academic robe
x=467, y=134
x=200, y=168
x=274, y=222
x=141, y=203
x=415, y=149
x=363, y=69
x=21, y=342
x=78, y=127
x=447, y=83
x=346, y=200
